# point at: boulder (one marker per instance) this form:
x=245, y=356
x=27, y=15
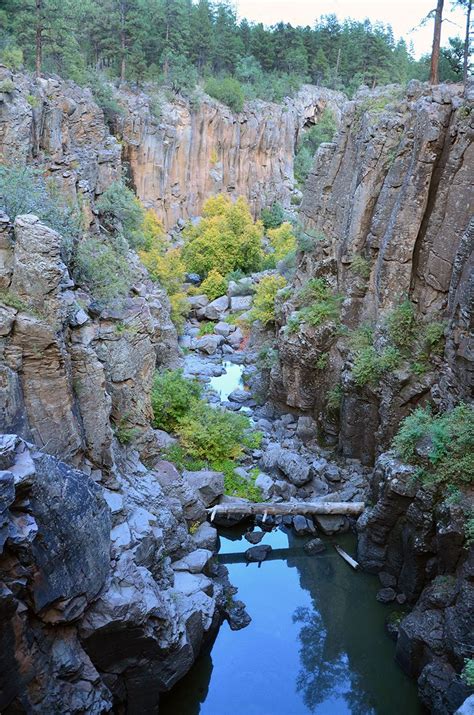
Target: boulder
x=208, y=343
x=294, y=467
x=265, y=484
x=205, y=537
x=254, y=537
x=306, y=428
x=224, y=329
x=235, y=338
x=240, y=396
x=215, y=309
x=240, y=303
x=386, y=595
x=207, y=484
x=194, y=562
x=257, y=554
x=244, y=286
x=302, y=525
x=198, y=301
x=332, y=524
x=315, y=546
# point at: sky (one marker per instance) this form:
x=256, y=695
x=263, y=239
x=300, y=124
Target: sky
x=403, y=15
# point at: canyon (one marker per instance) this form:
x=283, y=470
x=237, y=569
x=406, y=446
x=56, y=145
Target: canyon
x=109, y=587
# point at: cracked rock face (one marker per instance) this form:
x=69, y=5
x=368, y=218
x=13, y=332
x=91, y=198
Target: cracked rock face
x=185, y=156
x=394, y=188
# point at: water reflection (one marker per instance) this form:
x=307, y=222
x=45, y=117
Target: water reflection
x=316, y=643
x=229, y=381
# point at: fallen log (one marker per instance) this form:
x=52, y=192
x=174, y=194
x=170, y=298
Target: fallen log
x=289, y=508
x=348, y=559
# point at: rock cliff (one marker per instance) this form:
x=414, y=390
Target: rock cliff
x=186, y=154
x=387, y=217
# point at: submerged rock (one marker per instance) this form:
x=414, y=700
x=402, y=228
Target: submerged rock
x=315, y=546
x=254, y=537
x=257, y=554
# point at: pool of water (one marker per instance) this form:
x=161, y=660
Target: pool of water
x=316, y=643
x=229, y=381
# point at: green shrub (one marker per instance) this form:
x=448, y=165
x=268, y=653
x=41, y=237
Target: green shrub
x=468, y=672
x=105, y=271
x=264, y=301
x=24, y=190
x=469, y=530
x=123, y=213
x=320, y=304
x=33, y=101
x=209, y=433
x=310, y=141
x=308, y=240
x=369, y=365
x=360, y=266
x=226, y=239
x=206, y=329
x=124, y=432
x=214, y=285
x=12, y=57
x=237, y=486
x=273, y=217
x=103, y=93
x=226, y=90
x=179, y=310
x=334, y=398
x=172, y=397
x=322, y=362
x=448, y=444
x=282, y=240
x=7, y=86
x=401, y=325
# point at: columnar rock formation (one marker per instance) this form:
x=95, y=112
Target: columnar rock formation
x=185, y=154
x=392, y=192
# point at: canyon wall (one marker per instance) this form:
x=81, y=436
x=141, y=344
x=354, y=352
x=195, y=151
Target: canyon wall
x=101, y=609
x=185, y=154
x=388, y=217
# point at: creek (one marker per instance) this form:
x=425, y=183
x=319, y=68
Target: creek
x=316, y=643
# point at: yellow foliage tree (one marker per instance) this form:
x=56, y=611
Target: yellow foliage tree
x=282, y=240
x=214, y=286
x=168, y=268
x=264, y=301
x=226, y=238
x=153, y=232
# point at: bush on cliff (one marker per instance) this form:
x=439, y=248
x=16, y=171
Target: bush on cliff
x=105, y=271
x=24, y=190
x=226, y=238
x=123, y=213
x=264, y=301
x=309, y=143
x=227, y=90
x=442, y=446
x=273, y=217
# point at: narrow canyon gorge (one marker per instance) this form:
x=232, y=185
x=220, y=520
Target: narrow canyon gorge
x=111, y=587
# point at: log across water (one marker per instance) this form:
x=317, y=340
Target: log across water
x=289, y=508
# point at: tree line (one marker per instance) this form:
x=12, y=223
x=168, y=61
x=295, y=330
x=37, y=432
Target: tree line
x=177, y=42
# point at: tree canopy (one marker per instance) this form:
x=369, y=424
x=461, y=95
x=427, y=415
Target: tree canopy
x=177, y=42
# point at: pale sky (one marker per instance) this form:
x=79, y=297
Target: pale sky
x=403, y=15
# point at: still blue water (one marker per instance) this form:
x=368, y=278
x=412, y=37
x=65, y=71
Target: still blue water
x=316, y=643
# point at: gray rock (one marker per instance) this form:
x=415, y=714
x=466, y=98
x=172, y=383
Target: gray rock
x=224, y=329
x=208, y=484
x=194, y=562
x=163, y=439
x=315, y=546
x=244, y=286
x=198, y=301
x=254, y=537
x=216, y=308
x=208, y=343
x=205, y=537
x=386, y=595
x=332, y=524
x=306, y=428
x=294, y=467
x=257, y=554
x=265, y=483
x=240, y=396
x=235, y=338
x=302, y=525
x=240, y=303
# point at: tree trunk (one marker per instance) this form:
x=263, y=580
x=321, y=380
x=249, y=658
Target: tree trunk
x=467, y=43
x=352, y=508
x=434, y=79
x=39, y=39
x=123, y=41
